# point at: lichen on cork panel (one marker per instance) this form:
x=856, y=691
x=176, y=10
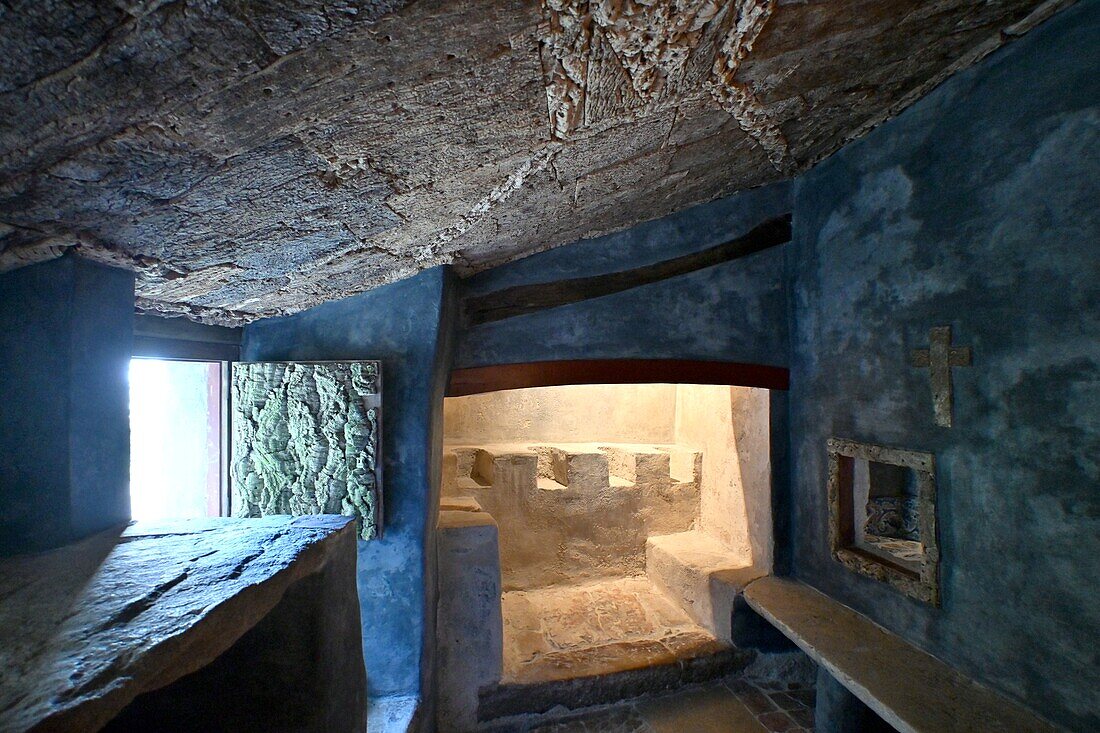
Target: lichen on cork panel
x=307, y=440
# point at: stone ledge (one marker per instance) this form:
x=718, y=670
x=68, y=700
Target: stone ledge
x=910, y=689
x=702, y=574
x=462, y=519
x=91, y=626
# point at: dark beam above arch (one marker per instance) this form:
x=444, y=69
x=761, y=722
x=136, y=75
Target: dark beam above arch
x=476, y=380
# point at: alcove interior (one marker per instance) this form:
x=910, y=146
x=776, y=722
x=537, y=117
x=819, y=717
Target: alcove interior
x=628, y=518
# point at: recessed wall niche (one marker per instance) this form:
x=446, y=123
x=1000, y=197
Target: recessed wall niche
x=882, y=514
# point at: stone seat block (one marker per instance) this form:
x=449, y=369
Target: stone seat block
x=907, y=687
x=459, y=504
x=515, y=467
x=701, y=574
x=686, y=465
x=581, y=468
x=463, y=463
x=487, y=465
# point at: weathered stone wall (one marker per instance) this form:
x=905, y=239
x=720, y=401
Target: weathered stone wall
x=405, y=325
x=977, y=209
x=730, y=425
x=574, y=512
x=515, y=451
x=730, y=312
x=626, y=413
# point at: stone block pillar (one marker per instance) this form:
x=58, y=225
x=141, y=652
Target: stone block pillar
x=837, y=710
x=66, y=334
x=469, y=626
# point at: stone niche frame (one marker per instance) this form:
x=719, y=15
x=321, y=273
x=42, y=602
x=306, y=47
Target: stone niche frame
x=923, y=585
x=337, y=408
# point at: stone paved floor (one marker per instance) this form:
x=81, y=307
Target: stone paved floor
x=625, y=623
x=391, y=714
x=723, y=706
x=595, y=628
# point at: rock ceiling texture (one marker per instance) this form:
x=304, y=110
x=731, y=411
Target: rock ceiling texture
x=251, y=158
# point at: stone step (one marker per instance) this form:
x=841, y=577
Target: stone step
x=612, y=672
x=701, y=574
x=459, y=504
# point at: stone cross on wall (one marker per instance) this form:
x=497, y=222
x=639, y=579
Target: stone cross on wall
x=939, y=358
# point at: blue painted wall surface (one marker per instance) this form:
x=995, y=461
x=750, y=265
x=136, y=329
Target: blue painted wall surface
x=731, y=312
x=977, y=208
x=399, y=324
x=66, y=330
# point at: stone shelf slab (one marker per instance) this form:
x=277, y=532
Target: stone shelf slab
x=908, y=688
x=89, y=627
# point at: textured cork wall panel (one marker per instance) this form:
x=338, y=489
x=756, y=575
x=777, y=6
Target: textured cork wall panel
x=306, y=440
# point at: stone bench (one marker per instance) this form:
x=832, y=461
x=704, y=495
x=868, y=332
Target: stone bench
x=701, y=574
x=908, y=688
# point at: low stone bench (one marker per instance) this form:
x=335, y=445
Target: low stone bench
x=701, y=575
x=908, y=688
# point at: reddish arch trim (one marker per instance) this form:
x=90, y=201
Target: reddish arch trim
x=614, y=371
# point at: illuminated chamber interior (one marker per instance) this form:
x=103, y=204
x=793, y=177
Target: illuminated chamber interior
x=628, y=517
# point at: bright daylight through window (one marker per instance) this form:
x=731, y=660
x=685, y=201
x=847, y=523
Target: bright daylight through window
x=175, y=439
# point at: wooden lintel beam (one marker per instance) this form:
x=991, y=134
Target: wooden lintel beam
x=523, y=299
x=476, y=380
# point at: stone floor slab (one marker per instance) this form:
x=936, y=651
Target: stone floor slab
x=595, y=628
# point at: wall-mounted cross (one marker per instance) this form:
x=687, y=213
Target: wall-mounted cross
x=939, y=358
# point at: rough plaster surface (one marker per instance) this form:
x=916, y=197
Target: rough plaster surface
x=92, y=625
x=975, y=208
x=635, y=413
x=730, y=425
x=252, y=159
x=404, y=325
x=306, y=440
x=572, y=496
x=65, y=344
x=733, y=312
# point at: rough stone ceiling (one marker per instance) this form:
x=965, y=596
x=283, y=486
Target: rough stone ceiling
x=255, y=157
